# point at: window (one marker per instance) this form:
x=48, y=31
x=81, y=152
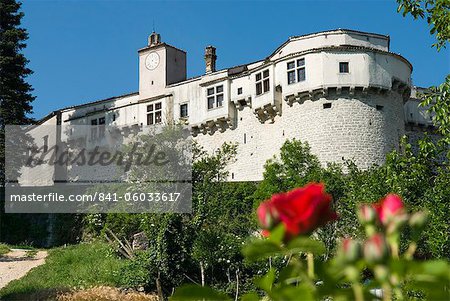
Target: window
x=327, y=105
x=94, y=124
x=296, y=71
x=184, y=110
x=98, y=128
x=262, y=82
x=101, y=127
x=215, y=97
x=343, y=67
x=239, y=91
x=154, y=113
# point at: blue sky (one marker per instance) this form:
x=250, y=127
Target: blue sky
x=83, y=51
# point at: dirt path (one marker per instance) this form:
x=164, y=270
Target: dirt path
x=15, y=265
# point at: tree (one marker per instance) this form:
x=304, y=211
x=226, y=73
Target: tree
x=15, y=92
x=437, y=14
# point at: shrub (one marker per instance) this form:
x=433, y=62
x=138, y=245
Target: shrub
x=4, y=249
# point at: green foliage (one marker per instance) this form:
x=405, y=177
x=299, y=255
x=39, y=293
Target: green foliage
x=14, y=91
x=436, y=13
x=295, y=167
x=418, y=177
x=437, y=99
x=4, y=249
x=340, y=278
x=205, y=244
x=83, y=265
x=15, y=96
x=138, y=272
x=181, y=244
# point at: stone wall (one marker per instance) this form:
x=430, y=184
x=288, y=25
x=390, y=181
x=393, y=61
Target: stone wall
x=360, y=128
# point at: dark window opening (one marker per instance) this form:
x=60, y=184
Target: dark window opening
x=327, y=105
x=94, y=129
x=301, y=74
x=154, y=113
x=291, y=77
x=239, y=91
x=296, y=71
x=215, y=97
x=262, y=82
x=101, y=128
x=266, y=85
x=343, y=67
x=258, y=88
x=380, y=108
x=184, y=110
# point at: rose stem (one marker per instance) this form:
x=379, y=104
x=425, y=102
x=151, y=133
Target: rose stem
x=357, y=290
x=310, y=262
x=387, y=295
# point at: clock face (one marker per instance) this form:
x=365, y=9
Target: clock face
x=152, y=61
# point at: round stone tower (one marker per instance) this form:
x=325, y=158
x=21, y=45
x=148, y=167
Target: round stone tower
x=342, y=91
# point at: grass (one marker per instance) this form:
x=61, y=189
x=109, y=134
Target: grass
x=106, y=294
x=73, y=267
x=3, y=249
x=22, y=247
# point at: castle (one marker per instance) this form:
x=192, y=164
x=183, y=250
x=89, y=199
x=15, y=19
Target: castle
x=342, y=91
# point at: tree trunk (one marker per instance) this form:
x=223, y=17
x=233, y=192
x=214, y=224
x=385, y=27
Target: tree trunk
x=159, y=289
x=202, y=272
x=237, y=285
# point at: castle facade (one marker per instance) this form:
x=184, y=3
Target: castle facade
x=342, y=91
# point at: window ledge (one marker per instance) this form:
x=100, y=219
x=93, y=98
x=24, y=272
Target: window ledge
x=258, y=95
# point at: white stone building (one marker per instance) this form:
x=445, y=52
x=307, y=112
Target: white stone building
x=342, y=91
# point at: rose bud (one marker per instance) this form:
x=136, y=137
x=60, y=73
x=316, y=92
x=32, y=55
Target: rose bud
x=389, y=208
x=267, y=215
x=351, y=250
x=367, y=214
x=418, y=220
x=301, y=210
x=375, y=248
x=417, y=223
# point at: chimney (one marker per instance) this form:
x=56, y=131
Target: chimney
x=210, y=59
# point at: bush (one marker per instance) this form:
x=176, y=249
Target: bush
x=420, y=178
x=4, y=249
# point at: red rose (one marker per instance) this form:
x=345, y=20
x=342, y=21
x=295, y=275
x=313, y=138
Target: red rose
x=390, y=206
x=301, y=210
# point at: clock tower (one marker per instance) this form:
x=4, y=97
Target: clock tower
x=159, y=65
